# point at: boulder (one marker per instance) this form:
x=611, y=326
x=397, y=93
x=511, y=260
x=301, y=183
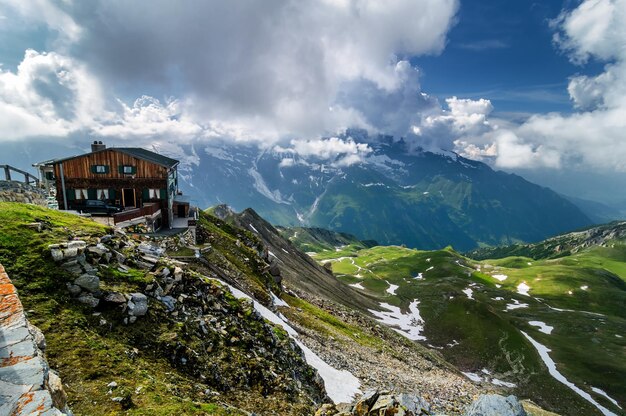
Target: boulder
x=55, y=387
x=57, y=254
x=412, y=403
x=74, y=289
x=38, y=337
x=362, y=407
x=115, y=297
x=138, y=304
x=79, y=245
x=88, y=282
x=169, y=303
x=89, y=300
x=495, y=405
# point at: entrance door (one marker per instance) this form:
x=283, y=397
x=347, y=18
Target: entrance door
x=128, y=197
x=181, y=211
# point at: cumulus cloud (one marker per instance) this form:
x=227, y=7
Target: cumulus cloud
x=593, y=137
x=264, y=70
x=48, y=95
x=341, y=152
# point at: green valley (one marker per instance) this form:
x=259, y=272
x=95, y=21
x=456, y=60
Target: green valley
x=498, y=318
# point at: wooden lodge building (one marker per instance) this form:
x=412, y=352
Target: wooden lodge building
x=129, y=177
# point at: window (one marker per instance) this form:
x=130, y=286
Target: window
x=81, y=194
x=154, y=193
x=103, y=194
x=100, y=169
x=127, y=169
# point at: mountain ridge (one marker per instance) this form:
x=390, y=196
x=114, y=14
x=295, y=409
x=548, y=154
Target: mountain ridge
x=394, y=195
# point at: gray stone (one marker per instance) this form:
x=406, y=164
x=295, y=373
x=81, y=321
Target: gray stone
x=115, y=297
x=97, y=251
x=38, y=337
x=55, y=387
x=89, y=300
x=29, y=372
x=77, y=244
x=169, y=302
x=178, y=273
x=138, y=304
x=74, y=289
x=495, y=405
x=57, y=254
x=413, y=403
x=121, y=259
x=88, y=282
x=69, y=253
x=106, y=238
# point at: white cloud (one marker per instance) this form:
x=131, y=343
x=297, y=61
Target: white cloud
x=337, y=151
x=149, y=118
x=592, y=138
x=48, y=95
x=249, y=71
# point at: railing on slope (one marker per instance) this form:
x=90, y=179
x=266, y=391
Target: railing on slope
x=28, y=178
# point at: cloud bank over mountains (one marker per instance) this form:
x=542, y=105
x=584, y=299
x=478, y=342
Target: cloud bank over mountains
x=288, y=73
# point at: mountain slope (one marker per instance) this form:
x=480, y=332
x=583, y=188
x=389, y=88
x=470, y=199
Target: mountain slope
x=134, y=330
x=297, y=268
x=522, y=322
x=395, y=196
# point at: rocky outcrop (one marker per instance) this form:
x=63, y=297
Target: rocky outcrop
x=27, y=385
x=496, y=405
x=375, y=403
x=13, y=191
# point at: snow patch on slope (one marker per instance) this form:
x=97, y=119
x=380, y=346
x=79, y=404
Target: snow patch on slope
x=409, y=325
x=263, y=189
x=545, y=357
x=341, y=385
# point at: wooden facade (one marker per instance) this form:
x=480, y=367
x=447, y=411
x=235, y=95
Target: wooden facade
x=126, y=177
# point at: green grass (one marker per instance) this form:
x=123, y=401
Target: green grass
x=91, y=350
x=323, y=322
x=584, y=346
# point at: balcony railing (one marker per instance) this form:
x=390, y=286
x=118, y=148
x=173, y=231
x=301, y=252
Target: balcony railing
x=147, y=210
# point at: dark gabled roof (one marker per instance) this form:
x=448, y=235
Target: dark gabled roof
x=137, y=152
x=148, y=155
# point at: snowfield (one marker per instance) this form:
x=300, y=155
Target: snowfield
x=546, y=329
x=341, y=385
x=523, y=289
x=409, y=325
x=392, y=288
x=500, y=277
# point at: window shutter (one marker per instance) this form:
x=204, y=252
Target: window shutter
x=145, y=194
x=163, y=193
x=112, y=194
x=106, y=169
x=134, y=170
x=71, y=195
x=120, y=169
x=92, y=194
x=93, y=169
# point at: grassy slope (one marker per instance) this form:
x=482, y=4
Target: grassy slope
x=86, y=354
x=584, y=346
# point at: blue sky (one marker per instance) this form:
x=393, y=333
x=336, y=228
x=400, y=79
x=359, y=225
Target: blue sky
x=503, y=50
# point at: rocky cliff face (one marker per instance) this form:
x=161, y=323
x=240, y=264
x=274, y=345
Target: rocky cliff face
x=27, y=386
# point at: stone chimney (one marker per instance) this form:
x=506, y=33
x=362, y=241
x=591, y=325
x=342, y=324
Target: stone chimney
x=97, y=145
